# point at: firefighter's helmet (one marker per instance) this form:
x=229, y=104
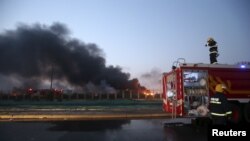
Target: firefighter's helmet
x=220, y=88
x=210, y=39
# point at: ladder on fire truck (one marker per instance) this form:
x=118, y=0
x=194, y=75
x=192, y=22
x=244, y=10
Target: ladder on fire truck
x=177, y=121
x=173, y=114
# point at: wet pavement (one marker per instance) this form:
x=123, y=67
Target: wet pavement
x=100, y=130
x=98, y=123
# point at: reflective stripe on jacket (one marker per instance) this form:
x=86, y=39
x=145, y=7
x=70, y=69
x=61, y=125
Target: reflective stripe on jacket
x=213, y=48
x=219, y=105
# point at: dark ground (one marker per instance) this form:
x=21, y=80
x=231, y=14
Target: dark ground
x=99, y=130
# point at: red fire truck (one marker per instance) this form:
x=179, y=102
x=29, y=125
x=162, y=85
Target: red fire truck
x=187, y=88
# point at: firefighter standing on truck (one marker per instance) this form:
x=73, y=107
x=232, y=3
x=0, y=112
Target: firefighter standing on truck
x=219, y=106
x=213, y=49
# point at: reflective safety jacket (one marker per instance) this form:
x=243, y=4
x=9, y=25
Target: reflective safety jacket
x=219, y=105
x=213, y=49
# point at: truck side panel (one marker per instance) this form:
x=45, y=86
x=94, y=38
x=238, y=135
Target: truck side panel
x=237, y=81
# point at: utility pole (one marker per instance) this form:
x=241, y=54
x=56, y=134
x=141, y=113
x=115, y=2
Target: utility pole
x=51, y=96
x=51, y=77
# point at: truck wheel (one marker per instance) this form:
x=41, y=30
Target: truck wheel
x=236, y=113
x=247, y=112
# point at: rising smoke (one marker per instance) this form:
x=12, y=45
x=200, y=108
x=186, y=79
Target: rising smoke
x=31, y=55
x=152, y=79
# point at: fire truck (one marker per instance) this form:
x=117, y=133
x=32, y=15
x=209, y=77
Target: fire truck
x=188, y=87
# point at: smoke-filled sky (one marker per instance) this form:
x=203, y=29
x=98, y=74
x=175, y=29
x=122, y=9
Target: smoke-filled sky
x=33, y=55
x=142, y=37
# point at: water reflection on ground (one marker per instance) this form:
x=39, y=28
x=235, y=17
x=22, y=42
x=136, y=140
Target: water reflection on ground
x=102, y=130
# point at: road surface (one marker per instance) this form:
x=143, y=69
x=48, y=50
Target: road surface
x=99, y=130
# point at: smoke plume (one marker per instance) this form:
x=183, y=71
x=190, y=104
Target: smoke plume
x=152, y=79
x=30, y=56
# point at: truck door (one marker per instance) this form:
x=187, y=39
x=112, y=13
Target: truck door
x=170, y=93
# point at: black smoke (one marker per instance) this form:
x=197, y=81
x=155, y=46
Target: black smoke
x=31, y=55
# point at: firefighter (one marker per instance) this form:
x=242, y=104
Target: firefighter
x=219, y=106
x=213, y=49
